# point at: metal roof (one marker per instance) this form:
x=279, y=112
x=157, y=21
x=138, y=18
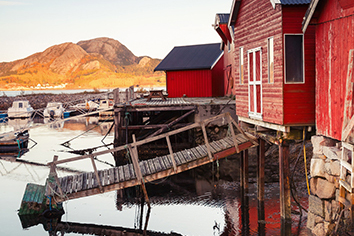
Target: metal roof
x=223, y=18
x=191, y=57
x=294, y=2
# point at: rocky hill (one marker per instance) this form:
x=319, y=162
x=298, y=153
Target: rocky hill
x=96, y=63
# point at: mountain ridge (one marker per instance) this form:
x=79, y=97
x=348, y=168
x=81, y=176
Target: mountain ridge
x=96, y=63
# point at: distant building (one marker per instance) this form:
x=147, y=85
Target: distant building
x=194, y=71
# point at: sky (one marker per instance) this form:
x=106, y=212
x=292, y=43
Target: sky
x=146, y=27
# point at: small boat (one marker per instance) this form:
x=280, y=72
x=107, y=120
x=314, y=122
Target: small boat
x=20, y=109
x=54, y=110
x=106, y=107
x=87, y=106
x=14, y=142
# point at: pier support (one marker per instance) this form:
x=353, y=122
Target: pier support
x=284, y=181
x=260, y=186
x=244, y=192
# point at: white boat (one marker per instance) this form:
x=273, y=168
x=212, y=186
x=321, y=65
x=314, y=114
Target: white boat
x=88, y=106
x=54, y=110
x=20, y=109
x=106, y=109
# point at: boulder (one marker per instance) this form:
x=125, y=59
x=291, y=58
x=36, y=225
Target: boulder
x=319, y=141
x=316, y=206
x=328, y=211
x=319, y=230
x=317, y=168
x=325, y=189
x=332, y=167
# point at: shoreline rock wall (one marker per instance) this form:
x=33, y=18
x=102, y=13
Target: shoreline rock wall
x=324, y=206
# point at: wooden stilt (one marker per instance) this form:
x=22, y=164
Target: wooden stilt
x=260, y=178
x=284, y=181
x=244, y=192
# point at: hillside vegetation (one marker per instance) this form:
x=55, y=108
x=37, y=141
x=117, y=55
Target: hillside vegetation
x=97, y=63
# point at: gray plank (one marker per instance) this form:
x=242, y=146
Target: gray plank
x=229, y=141
x=95, y=181
x=196, y=153
x=84, y=181
x=183, y=159
x=224, y=144
x=105, y=178
x=121, y=174
x=142, y=168
x=111, y=175
x=177, y=159
x=157, y=165
x=64, y=183
x=116, y=175
x=202, y=150
x=126, y=172
x=188, y=155
x=74, y=185
x=147, y=168
x=89, y=180
x=80, y=182
x=167, y=161
x=132, y=172
x=215, y=147
x=68, y=186
x=162, y=164
x=152, y=166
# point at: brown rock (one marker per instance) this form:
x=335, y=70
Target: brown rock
x=328, y=211
x=318, y=230
x=325, y=189
x=316, y=206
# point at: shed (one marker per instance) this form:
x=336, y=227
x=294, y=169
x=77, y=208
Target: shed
x=334, y=22
x=194, y=71
x=275, y=63
x=221, y=27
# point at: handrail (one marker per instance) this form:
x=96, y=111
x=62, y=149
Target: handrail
x=152, y=139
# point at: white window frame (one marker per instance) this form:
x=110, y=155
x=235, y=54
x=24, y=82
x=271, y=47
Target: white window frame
x=303, y=60
x=251, y=114
x=241, y=65
x=270, y=57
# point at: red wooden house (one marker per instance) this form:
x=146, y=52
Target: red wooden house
x=275, y=67
x=334, y=22
x=221, y=27
x=194, y=71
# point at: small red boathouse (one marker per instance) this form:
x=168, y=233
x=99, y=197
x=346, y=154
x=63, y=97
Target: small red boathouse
x=194, y=71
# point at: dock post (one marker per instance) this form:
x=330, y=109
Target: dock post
x=244, y=191
x=260, y=185
x=284, y=181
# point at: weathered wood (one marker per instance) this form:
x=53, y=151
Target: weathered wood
x=126, y=173
x=195, y=152
x=121, y=174
x=152, y=166
x=233, y=135
x=111, y=175
x=284, y=181
x=171, y=152
x=162, y=164
x=348, y=106
x=116, y=175
x=96, y=173
x=181, y=157
x=84, y=181
x=168, y=161
x=260, y=178
x=80, y=182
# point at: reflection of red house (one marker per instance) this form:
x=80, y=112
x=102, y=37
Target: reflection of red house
x=334, y=21
x=221, y=22
x=275, y=69
x=194, y=71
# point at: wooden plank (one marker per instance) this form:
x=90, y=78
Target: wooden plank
x=132, y=173
x=189, y=154
x=181, y=157
x=284, y=175
x=147, y=168
x=157, y=165
x=111, y=175
x=162, y=164
x=116, y=175
x=121, y=174
x=106, y=177
x=74, y=185
x=206, y=141
x=171, y=152
x=84, y=181
x=127, y=173
x=195, y=152
x=219, y=145
x=63, y=184
x=89, y=180
x=167, y=161
x=69, y=183
x=152, y=166
x=214, y=148
x=202, y=150
x=80, y=181
x=97, y=178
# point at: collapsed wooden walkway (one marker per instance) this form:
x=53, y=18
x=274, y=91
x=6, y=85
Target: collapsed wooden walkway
x=140, y=172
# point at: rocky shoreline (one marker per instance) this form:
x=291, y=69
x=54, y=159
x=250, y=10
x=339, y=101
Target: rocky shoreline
x=39, y=101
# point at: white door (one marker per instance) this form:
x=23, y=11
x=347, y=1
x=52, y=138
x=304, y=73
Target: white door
x=255, y=83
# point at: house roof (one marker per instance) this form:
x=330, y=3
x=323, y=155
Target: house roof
x=203, y=56
x=222, y=18
x=294, y=2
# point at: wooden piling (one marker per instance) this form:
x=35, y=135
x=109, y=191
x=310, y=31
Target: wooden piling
x=284, y=181
x=260, y=178
x=244, y=191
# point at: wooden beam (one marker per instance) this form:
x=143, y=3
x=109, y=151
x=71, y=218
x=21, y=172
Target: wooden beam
x=171, y=124
x=284, y=181
x=233, y=134
x=348, y=106
x=206, y=141
x=265, y=124
x=260, y=178
x=96, y=173
x=171, y=153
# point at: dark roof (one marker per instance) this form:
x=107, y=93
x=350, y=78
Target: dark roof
x=191, y=57
x=223, y=18
x=294, y=2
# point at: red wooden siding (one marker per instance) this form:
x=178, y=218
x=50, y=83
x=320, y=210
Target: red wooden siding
x=194, y=83
x=334, y=39
x=257, y=20
x=218, y=78
x=299, y=99
x=229, y=72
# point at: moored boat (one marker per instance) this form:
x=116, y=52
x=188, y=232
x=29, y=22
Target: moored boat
x=54, y=110
x=20, y=109
x=14, y=142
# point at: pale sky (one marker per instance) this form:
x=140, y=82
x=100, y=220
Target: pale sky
x=146, y=27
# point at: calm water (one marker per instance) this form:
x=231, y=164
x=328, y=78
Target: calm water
x=186, y=204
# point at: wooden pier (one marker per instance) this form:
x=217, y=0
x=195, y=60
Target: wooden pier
x=141, y=172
